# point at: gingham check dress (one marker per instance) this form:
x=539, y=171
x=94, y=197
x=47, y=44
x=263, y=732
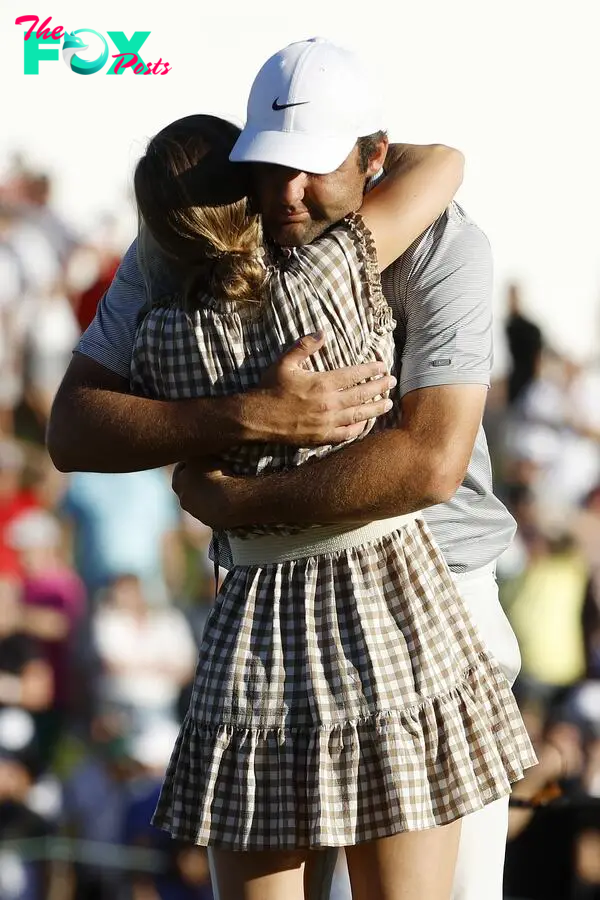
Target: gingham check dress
x=342, y=697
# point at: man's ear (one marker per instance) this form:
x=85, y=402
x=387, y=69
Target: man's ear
x=377, y=160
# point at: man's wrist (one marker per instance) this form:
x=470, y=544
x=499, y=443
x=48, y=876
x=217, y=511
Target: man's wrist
x=243, y=513
x=255, y=499
x=248, y=411
x=228, y=419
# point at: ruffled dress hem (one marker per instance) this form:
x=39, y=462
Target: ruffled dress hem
x=366, y=778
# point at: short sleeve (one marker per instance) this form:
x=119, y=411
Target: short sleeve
x=448, y=307
x=110, y=337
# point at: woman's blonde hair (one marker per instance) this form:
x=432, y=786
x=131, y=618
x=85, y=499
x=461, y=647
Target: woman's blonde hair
x=194, y=203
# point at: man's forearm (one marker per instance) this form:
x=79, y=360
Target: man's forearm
x=387, y=474
x=97, y=425
x=105, y=431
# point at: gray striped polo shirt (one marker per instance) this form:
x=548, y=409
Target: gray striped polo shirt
x=441, y=294
x=440, y=291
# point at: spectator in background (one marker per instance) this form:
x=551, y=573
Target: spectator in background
x=546, y=614
x=39, y=265
x=577, y=470
x=34, y=190
x=94, y=804
x=147, y=653
x=37, y=325
x=534, y=426
x=10, y=357
x=591, y=628
x=554, y=847
x=182, y=870
x=30, y=192
x=25, y=677
x=15, y=499
x=200, y=588
x=86, y=301
x=24, y=869
x=586, y=527
x=49, y=337
x=103, y=256
x=525, y=345
x=553, y=431
x=54, y=605
x=541, y=840
x=125, y=523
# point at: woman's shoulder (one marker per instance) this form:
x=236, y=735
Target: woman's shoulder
x=333, y=280
x=162, y=316
x=346, y=246
x=181, y=352
x=337, y=262
x=175, y=311
x=167, y=331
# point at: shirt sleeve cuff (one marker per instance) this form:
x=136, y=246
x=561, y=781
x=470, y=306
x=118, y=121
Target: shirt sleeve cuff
x=437, y=379
x=104, y=356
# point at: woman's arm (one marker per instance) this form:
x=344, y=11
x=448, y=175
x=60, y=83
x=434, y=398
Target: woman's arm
x=420, y=182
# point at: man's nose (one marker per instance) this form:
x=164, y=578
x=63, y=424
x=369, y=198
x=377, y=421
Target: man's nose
x=292, y=187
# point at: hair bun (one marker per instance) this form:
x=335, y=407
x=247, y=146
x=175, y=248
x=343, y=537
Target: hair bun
x=239, y=276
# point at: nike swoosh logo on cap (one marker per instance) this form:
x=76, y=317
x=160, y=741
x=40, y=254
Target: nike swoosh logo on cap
x=277, y=106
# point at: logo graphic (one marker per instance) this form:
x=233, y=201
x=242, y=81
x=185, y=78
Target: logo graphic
x=73, y=44
x=277, y=106
x=42, y=45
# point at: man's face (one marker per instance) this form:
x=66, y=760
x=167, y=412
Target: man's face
x=298, y=206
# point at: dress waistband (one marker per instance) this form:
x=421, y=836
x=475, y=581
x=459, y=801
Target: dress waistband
x=269, y=549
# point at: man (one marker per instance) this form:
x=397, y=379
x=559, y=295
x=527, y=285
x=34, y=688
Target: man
x=312, y=128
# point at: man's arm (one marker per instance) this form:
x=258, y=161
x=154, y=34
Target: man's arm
x=444, y=378
x=405, y=469
x=97, y=425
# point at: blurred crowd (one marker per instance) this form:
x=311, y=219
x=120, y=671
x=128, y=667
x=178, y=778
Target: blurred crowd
x=543, y=426
x=105, y=586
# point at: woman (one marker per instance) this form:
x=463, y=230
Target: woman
x=342, y=696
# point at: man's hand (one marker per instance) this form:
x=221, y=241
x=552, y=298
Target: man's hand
x=209, y=494
x=96, y=425
x=296, y=406
x=418, y=464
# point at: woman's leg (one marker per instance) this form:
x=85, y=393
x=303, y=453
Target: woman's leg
x=259, y=875
x=414, y=865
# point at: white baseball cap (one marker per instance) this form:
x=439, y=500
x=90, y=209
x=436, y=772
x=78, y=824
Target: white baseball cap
x=307, y=107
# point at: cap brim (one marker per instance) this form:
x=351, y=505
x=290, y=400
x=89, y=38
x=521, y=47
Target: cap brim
x=319, y=155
